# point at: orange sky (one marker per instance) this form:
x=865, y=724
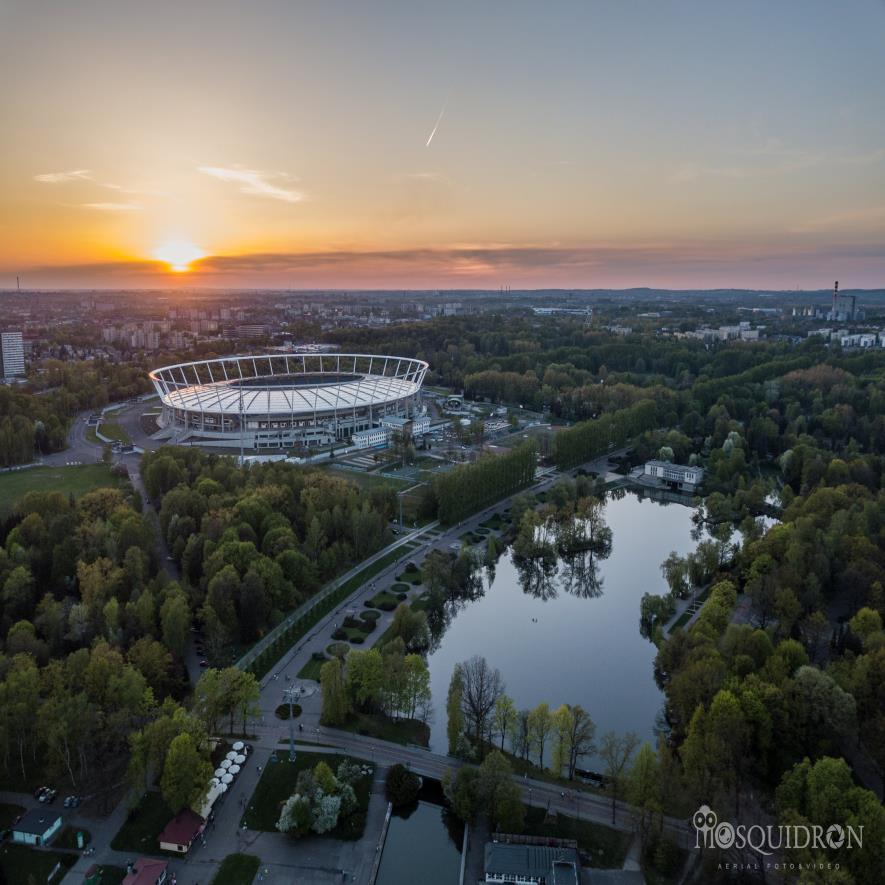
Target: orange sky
x=578, y=144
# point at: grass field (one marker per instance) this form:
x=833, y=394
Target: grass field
x=400, y=731
x=74, y=481
x=18, y=863
x=237, y=869
x=277, y=784
x=145, y=823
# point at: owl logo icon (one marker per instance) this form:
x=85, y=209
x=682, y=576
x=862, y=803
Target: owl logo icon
x=705, y=820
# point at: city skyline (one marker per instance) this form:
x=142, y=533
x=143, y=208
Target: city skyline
x=582, y=145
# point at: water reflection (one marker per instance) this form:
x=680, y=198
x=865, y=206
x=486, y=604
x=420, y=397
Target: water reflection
x=565, y=630
x=423, y=845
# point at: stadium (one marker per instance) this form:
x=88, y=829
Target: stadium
x=285, y=401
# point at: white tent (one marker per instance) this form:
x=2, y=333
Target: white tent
x=219, y=772
x=227, y=778
x=234, y=769
x=209, y=801
x=231, y=754
x=238, y=746
x=222, y=787
x=216, y=780
x=225, y=764
x=239, y=760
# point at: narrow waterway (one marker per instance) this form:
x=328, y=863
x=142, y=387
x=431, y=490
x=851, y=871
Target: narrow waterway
x=422, y=845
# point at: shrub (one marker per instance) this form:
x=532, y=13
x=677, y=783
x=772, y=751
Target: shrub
x=282, y=712
x=339, y=634
x=370, y=615
x=399, y=588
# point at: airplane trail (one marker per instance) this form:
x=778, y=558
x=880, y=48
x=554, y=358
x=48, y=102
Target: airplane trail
x=436, y=126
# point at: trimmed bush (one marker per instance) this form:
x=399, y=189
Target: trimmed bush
x=338, y=649
x=399, y=588
x=402, y=786
x=282, y=712
x=370, y=615
x=339, y=634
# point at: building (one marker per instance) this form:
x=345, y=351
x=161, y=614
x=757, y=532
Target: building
x=685, y=478
x=180, y=832
x=283, y=401
x=147, y=871
x=373, y=438
x=36, y=827
x=12, y=354
x=531, y=864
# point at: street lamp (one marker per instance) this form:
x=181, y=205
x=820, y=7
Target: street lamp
x=289, y=696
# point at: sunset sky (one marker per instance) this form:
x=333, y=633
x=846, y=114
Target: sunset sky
x=574, y=144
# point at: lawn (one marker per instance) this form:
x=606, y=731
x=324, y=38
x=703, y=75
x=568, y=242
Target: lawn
x=277, y=784
x=400, y=731
x=143, y=825
x=67, y=838
x=74, y=481
x=410, y=576
x=8, y=813
x=18, y=863
x=112, y=430
x=384, y=600
x=237, y=869
x=111, y=875
x=311, y=670
x=606, y=847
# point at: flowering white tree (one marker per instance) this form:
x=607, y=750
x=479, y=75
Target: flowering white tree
x=326, y=814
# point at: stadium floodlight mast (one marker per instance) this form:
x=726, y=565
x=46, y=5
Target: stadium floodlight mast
x=290, y=696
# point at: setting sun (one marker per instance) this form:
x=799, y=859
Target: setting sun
x=178, y=254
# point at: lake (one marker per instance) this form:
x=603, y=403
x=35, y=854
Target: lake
x=577, y=649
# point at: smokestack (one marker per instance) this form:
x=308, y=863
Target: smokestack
x=835, y=297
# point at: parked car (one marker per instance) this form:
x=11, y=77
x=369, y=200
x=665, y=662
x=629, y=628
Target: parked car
x=48, y=796
x=204, y=663
x=39, y=792
x=73, y=801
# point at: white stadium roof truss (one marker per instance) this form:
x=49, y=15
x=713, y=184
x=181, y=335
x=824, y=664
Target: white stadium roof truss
x=222, y=386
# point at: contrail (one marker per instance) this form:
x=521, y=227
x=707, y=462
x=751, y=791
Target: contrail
x=438, y=121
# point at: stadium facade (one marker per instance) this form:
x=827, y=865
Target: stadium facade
x=282, y=401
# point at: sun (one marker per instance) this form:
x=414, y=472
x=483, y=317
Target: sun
x=178, y=254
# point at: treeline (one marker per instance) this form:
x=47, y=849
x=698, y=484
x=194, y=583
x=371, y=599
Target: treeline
x=35, y=419
x=254, y=543
x=589, y=439
x=470, y=487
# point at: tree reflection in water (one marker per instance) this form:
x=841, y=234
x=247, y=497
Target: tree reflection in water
x=561, y=548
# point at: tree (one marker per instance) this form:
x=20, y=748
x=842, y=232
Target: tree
x=186, y=774
x=401, y=786
x=540, y=726
x=483, y=686
x=504, y=716
x=461, y=789
x=616, y=751
x=644, y=789
x=454, y=711
x=499, y=795
x=411, y=627
x=335, y=702
x=175, y=619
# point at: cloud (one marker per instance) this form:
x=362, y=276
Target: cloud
x=255, y=182
x=111, y=207
x=63, y=177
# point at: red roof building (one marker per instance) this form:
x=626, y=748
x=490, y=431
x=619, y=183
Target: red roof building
x=181, y=831
x=147, y=871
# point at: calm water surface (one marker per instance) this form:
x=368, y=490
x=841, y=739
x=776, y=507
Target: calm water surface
x=420, y=847
x=567, y=649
